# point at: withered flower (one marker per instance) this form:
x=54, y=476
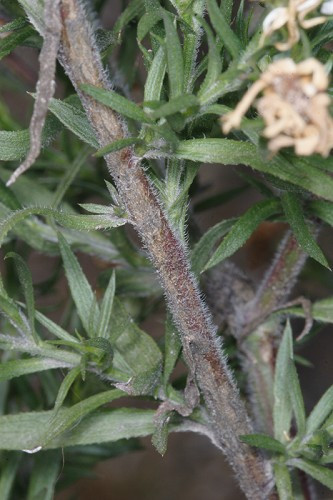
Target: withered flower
x=292, y=16
x=294, y=106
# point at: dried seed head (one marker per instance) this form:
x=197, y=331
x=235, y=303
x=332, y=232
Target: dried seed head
x=296, y=13
x=294, y=106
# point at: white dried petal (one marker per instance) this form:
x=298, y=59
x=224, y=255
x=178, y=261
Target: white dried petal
x=327, y=8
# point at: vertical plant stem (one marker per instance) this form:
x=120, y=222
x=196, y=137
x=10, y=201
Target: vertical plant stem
x=278, y=282
x=201, y=349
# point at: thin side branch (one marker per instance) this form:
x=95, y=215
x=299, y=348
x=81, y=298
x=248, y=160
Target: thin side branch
x=203, y=353
x=45, y=85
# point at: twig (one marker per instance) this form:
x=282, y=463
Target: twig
x=45, y=85
x=203, y=353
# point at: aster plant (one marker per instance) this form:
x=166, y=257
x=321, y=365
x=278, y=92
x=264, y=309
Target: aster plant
x=231, y=84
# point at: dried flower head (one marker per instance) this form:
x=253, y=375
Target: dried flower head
x=292, y=16
x=294, y=106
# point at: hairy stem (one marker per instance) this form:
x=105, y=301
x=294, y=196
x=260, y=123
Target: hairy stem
x=201, y=349
x=277, y=284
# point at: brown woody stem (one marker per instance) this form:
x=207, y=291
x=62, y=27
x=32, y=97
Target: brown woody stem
x=201, y=349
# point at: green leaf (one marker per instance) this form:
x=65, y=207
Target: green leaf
x=15, y=145
x=322, y=474
x=54, y=328
x=283, y=482
x=10, y=462
x=263, y=441
x=35, y=12
x=14, y=314
x=106, y=309
x=25, y=278
x=222, y=28
x=282, y=411
x=136, y=354
x=11, y=41
x=70, y=221
x=323, y=210
x=294, y=214
x=147, y=22
x=296, y=399
x=177, y=105
x=19, y=367
x=203, y=248
x=117, y=102
x=65, y=386
x=322, y=310
x=117, y=146
x=320, y=412
x=81, y=291
x=21, y=430
x=133, y=10
x=174, y=55
x=155, y=77
x=44, y=476
x=229, y=152
x=75, y=119
x=242, y=230
x=214, y=67
x=18, y=23
x=64, y=419
x=161, y=432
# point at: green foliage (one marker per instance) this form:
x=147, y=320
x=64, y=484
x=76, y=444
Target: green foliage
x=199, y=62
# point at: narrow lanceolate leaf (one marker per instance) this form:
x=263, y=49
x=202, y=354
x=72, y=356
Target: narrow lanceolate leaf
x=11, y=41
x=70, y=221
x=222, y=28
x=44, y=475
x=155, y=77
x=320, y=311
x=283, y=481
x=118, y=145
x=322, y=474
x=8, y=472
x=264, y=442
x=106, y=309
x=229, y=152
x=203, y=248
x=320, y=412
x=214, y=67
x=74, y=119
x=323, y=210
x=134, y=9
x=136, y=354
x=178, y=104
x=17, y=24
x=64, y=420
x=66, y=384
x=26, y=283
x=282, y=411
x=53, y=328
x=242, y=230
x=21, y=430
x=294, y=214
x=19, y=367
x=15, y=316
x=296, y=399
x=117, y=102
x=174, y=54
x=15, y=145
x=81, y=291
x=35, y=11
